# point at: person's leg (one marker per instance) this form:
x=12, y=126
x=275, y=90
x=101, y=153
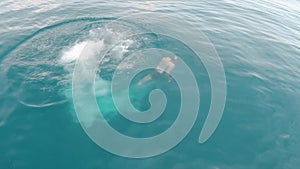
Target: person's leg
x=169, y=77
x=149, y=77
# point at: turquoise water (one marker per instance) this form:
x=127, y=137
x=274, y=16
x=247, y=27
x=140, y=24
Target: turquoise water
x=257, y=41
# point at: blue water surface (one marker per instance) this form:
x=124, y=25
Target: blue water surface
x=258, y=42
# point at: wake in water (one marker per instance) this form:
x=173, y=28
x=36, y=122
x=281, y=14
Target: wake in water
x=40, y=68
x=100, y=40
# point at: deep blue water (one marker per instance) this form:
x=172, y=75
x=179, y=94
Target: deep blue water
x=257, y=41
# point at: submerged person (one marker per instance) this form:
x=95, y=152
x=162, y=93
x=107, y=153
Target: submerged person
x=165, y=66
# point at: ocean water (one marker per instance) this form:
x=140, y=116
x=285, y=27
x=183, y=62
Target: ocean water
x=258, y=43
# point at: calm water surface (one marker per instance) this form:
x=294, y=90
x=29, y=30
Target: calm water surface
x=257, y=41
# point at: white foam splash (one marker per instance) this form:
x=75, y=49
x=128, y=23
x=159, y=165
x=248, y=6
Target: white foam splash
x=73, y=53
x=99, y=41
